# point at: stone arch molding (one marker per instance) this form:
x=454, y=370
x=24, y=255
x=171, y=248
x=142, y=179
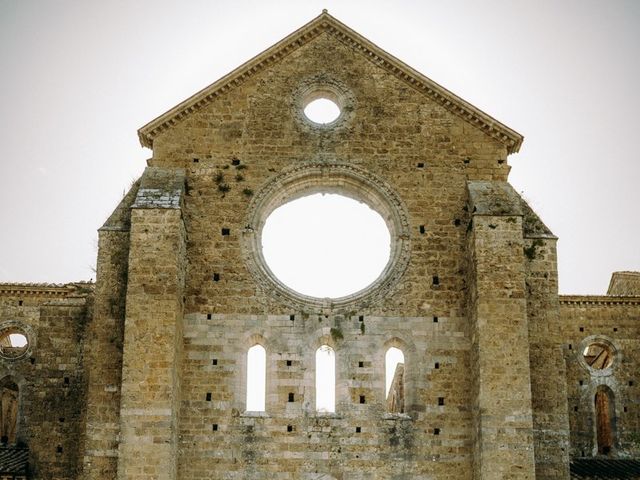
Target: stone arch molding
x=327, y=177
x=323, y=86
x=17, y=326
x=610, y=344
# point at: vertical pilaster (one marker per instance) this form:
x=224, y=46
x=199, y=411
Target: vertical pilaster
x=549, y=398
x=501, y=342
x=500, y=338
x=103, y=354
x=153, y=331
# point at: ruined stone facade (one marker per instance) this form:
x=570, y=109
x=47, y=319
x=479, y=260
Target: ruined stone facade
x=143, y=375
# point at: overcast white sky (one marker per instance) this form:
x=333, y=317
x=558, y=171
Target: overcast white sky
x=80, y=77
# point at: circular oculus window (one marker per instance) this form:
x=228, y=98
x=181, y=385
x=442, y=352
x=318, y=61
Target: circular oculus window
x=323, y=103
x=322, y=111
x=326, y=245
x=14, y=342
x=598, y=355
x=366, y=195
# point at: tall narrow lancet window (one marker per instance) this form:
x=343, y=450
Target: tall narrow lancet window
x=256, y=378
x=325, y=379
x=604, y=420
x=8, y=411
x=394, y=380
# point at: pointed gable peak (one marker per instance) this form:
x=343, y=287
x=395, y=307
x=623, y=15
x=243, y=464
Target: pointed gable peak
x=325, y=23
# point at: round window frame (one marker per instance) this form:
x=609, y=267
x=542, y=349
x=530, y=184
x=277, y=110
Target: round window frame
x=328, y=177
x=16, y=326
x=323, y=87
x=607, y=342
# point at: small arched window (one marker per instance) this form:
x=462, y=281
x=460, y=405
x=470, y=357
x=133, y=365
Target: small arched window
x=605, y=412
x=9, y=394
x=256, y=378
x=325, y=379
x=394, y=380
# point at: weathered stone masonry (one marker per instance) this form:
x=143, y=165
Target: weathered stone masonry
x=143, y=375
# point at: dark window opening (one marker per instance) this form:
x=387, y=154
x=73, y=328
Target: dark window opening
x=436, y=431
x=288, y=363
x=9, y=395
x=358, y=429
x=292, y=317
x=208, y=316
x=420, y=165
x=291, y=397
x=422, y=229
x=226, y=231
x=604, y=420
x=436, y=280
x=214, y=361
x=216, y=277
x=440, y=401
x=437, y=365
x=360, y=364
x=363, y=399
x=208, y=396
x=214, y=427
x=289, y=428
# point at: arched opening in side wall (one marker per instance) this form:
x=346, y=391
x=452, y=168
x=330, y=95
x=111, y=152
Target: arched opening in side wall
x=325, y=379
x=9, y=397
x=256, y=378
x=605, y=416
x=394, y=380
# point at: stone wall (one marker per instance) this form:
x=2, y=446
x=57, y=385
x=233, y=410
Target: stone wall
x=50, y=375
x=613, y=321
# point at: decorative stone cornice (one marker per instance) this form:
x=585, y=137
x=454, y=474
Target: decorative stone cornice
x=325, y=23
x=50, y=290
x=598, y=300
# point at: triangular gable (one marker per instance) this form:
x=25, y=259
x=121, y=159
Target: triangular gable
x=326, y=23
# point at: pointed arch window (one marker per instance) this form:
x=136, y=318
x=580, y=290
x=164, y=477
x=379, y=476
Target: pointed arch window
x=394, y=380
x=256, y=378
x=325, y=379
